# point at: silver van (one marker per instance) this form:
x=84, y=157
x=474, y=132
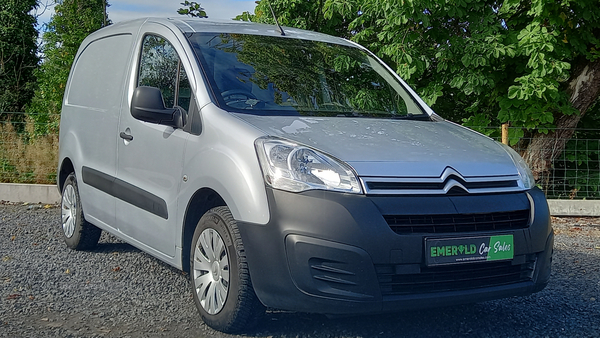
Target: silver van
x=292, y=170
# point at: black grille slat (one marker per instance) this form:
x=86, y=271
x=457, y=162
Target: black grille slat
x=454, y=277
x=439, y=185
x=406, y=224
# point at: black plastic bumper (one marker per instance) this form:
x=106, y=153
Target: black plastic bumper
x=335, y=253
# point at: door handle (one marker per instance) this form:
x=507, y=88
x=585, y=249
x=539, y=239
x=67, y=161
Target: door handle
x=126, y=136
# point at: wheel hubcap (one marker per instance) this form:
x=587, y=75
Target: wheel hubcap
x=69, y=210
x=216, y=271
x=211, y=271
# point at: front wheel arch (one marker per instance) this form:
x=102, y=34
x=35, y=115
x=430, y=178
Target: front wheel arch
x=201, y=202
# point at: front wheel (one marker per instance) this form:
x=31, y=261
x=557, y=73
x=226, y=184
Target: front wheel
x=220, y=279
x=78, y=233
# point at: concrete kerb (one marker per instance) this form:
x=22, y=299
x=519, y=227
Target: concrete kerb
x=584, y=208
x=30, y=193
x=48, y=194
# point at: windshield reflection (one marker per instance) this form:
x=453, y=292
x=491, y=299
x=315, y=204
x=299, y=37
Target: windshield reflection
x=265, y=75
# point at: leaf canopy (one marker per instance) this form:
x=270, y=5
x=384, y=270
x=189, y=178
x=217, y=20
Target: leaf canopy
x=471, y=60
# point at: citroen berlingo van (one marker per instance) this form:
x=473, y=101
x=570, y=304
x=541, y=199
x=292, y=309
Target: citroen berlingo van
x=292, y=170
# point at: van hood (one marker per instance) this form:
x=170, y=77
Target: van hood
x=393, y=148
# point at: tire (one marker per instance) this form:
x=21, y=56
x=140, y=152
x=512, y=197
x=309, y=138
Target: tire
x=77, y=232
x=219, y=276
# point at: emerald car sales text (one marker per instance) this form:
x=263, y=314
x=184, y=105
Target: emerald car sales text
x=455, y=250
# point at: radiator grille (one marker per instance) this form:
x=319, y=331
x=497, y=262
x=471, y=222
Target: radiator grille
x=439, y=185
x=449, y=182
x=453, y=277
x=408, y=224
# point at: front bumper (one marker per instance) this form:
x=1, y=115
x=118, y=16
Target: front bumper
x=333, y=253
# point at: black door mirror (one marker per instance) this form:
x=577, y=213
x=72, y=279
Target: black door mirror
x=147, y=105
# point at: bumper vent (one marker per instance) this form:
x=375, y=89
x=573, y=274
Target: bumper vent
x=453, y=277
x=409, y=224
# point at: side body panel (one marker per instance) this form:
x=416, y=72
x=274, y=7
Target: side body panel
x=90, y=116
x=97, y=108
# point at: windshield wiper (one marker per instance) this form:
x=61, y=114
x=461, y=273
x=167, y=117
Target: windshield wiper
x=410, y=116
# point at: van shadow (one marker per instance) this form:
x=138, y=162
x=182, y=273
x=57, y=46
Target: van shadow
x=567, y=307
x=108, y=243
x=489, y=319
x=115, y=247
x=440, y=322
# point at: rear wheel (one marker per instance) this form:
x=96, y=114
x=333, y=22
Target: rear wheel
x=220, y=279
x=78, y=233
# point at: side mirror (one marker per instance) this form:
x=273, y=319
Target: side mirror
x=147, y=105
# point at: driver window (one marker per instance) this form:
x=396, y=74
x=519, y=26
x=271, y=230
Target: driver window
x=184, y=91
x=161, y=67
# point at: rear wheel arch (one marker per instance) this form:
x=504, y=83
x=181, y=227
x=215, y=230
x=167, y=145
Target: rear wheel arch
x=78, y=233
x=66, y=168
x=201, y=202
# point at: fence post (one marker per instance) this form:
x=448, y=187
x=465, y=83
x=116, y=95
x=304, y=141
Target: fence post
x=505, y=133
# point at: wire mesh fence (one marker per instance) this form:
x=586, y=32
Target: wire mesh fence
x=29, y=151
x=573, y=172
x=576, y=172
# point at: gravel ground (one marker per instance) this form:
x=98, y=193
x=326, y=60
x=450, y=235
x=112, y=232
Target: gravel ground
x=47, y=290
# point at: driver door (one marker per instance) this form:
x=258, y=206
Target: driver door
x=150, y=156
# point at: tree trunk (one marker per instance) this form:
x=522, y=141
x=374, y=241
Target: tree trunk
x=583, y=90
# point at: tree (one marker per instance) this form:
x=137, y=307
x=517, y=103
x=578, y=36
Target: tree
x=72, y=22
x=18, y=59
x=535, y=63
x=302, y=14
x=193, y=9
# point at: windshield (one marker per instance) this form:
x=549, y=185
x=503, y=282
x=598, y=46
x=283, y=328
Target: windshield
x=265, y=75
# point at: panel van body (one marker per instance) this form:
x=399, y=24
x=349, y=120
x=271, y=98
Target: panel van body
x=292, y=171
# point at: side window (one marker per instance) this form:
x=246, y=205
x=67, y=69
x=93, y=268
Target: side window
x=161, y=67
x=184, y=91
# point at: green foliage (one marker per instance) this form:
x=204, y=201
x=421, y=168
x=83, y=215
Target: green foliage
x=246, y=16
x=509, y=56
x=18, y=60
x=505, y=60
x=193, y=9
x=313, y=15
x=71, y=23
x=481, y=123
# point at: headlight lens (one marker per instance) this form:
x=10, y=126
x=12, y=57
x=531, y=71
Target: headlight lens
x=293, y=167
x=524, y=171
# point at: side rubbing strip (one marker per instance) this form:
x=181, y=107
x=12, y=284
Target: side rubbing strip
x=125, y=192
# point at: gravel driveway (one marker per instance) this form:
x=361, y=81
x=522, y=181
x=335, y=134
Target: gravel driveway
x=47, y=290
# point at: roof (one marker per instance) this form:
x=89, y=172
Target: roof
x=193, y=25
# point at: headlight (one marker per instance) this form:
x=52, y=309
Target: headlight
x=293, y=167
x=524, y=171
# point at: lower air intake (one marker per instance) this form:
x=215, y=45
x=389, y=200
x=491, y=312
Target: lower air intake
x=453, y=277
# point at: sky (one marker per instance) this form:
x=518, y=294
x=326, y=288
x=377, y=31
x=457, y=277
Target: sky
x=121, y=10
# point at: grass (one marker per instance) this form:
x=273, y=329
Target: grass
x=26, y=157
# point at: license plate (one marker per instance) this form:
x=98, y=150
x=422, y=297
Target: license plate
x=444, y=251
